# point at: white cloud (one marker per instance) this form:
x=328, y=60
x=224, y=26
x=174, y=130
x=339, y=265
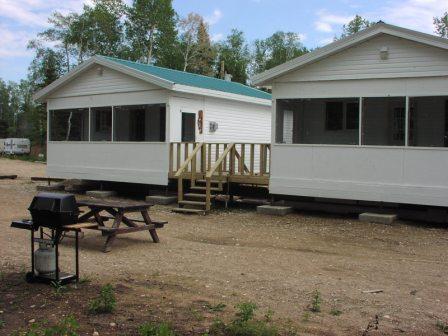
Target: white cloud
x=326, y=21
x=217, y=37
x=302, y=36
x=14, y=43
x=413, y=14
x=214, y=18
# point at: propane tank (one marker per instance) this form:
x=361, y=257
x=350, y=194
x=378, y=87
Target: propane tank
x=45, y=259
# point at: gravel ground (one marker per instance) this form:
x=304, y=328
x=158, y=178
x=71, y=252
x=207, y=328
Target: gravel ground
x=275, y=262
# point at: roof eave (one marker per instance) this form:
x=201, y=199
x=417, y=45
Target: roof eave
x=221, y=94
x=266, y=77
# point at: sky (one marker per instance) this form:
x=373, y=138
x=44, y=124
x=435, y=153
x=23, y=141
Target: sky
x=316, y=21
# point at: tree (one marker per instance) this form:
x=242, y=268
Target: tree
x=61, y=33
x=441, y=25
x=46, y=67
x=151, y=30
x=234, y=54
x=275, y=50
x=189, y=28
x=357, y=24
x=197, y=50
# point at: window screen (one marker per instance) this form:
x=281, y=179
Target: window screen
x=101, y=123
x=384, y=121
x=139, y=123
x=318, y=121
x=69, y=125
x=428, y=121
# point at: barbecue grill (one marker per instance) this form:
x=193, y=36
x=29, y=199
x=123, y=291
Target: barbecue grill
x=51, y=214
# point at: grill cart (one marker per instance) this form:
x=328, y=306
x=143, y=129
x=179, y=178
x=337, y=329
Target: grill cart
x=52, y=214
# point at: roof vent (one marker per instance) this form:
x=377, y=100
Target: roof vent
x=384, y=53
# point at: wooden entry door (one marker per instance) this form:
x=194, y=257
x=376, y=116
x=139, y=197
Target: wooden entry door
x=188, y=127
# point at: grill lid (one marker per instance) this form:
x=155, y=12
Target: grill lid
x=54, y=202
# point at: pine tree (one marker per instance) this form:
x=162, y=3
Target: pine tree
x=441, y=25
x=357, y=24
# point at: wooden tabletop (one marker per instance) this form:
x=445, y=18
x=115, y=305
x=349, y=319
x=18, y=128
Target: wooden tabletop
x=119, y=205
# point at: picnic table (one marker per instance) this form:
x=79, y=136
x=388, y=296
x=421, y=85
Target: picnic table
x=117, y=211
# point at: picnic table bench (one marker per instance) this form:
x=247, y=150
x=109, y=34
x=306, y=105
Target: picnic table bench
x=118, y=212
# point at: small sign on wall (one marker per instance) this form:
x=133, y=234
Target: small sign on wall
x=213, y=126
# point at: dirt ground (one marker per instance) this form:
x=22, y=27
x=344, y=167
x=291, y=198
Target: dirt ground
x=231, y=257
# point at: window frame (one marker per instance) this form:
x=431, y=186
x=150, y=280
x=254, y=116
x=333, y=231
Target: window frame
x=361, y=125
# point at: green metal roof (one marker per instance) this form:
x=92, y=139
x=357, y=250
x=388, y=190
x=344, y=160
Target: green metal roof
x=190, y=79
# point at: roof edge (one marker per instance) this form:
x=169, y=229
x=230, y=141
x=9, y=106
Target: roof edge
x=340, y=45
x=103, y=61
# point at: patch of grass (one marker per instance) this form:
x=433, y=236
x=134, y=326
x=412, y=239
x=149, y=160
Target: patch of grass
x=244, y=324
x=218, y=308
x=84, y=280
x=442, y=326
x=59, y=288
x=316, y=302
x=2, y=324
x=246, y=311
x=105, y=303
x=152, y=329
x=335, y=312
x=66, y=327
x=268, y=316
x=306, y=316
x=25, y=157
x=196, y=314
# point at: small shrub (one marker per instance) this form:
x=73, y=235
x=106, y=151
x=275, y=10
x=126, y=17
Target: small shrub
x=335, y=312
x=246, y=311
x=152, y=329
x=316, y=302
x=2, y=324
x=58, y=287
x=306, y=317
x=243, y=324
x=442, y=326
x=67, y=327
x=105, y=302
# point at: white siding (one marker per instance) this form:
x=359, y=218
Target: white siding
x=406, y=59
x=399, y=175
x=237, y=121
x=120, y=162
x=91, y=82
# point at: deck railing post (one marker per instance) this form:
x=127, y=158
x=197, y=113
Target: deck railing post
x=171, y=158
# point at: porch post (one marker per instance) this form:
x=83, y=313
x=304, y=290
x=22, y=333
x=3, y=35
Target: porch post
x=90, y=123
x=406, y=129
x=360, y=140
x=112, y=125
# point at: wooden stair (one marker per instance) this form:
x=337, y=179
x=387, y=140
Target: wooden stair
x=209, y=166
x=195, y=202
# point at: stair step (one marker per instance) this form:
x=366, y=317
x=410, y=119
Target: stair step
x=193, y=195
x=195, y=203
x=205, y=181
x=205, y=188
x=188, y=211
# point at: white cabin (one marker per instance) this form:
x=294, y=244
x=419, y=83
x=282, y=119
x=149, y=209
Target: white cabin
x=116, y=120
x=364, y=118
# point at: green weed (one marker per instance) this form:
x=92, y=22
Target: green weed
x=152, y=329
x=105, y=302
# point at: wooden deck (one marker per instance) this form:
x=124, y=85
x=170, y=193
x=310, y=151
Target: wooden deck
x=209, y=166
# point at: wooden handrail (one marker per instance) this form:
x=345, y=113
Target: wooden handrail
x=220, y=160
x=189, y=159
